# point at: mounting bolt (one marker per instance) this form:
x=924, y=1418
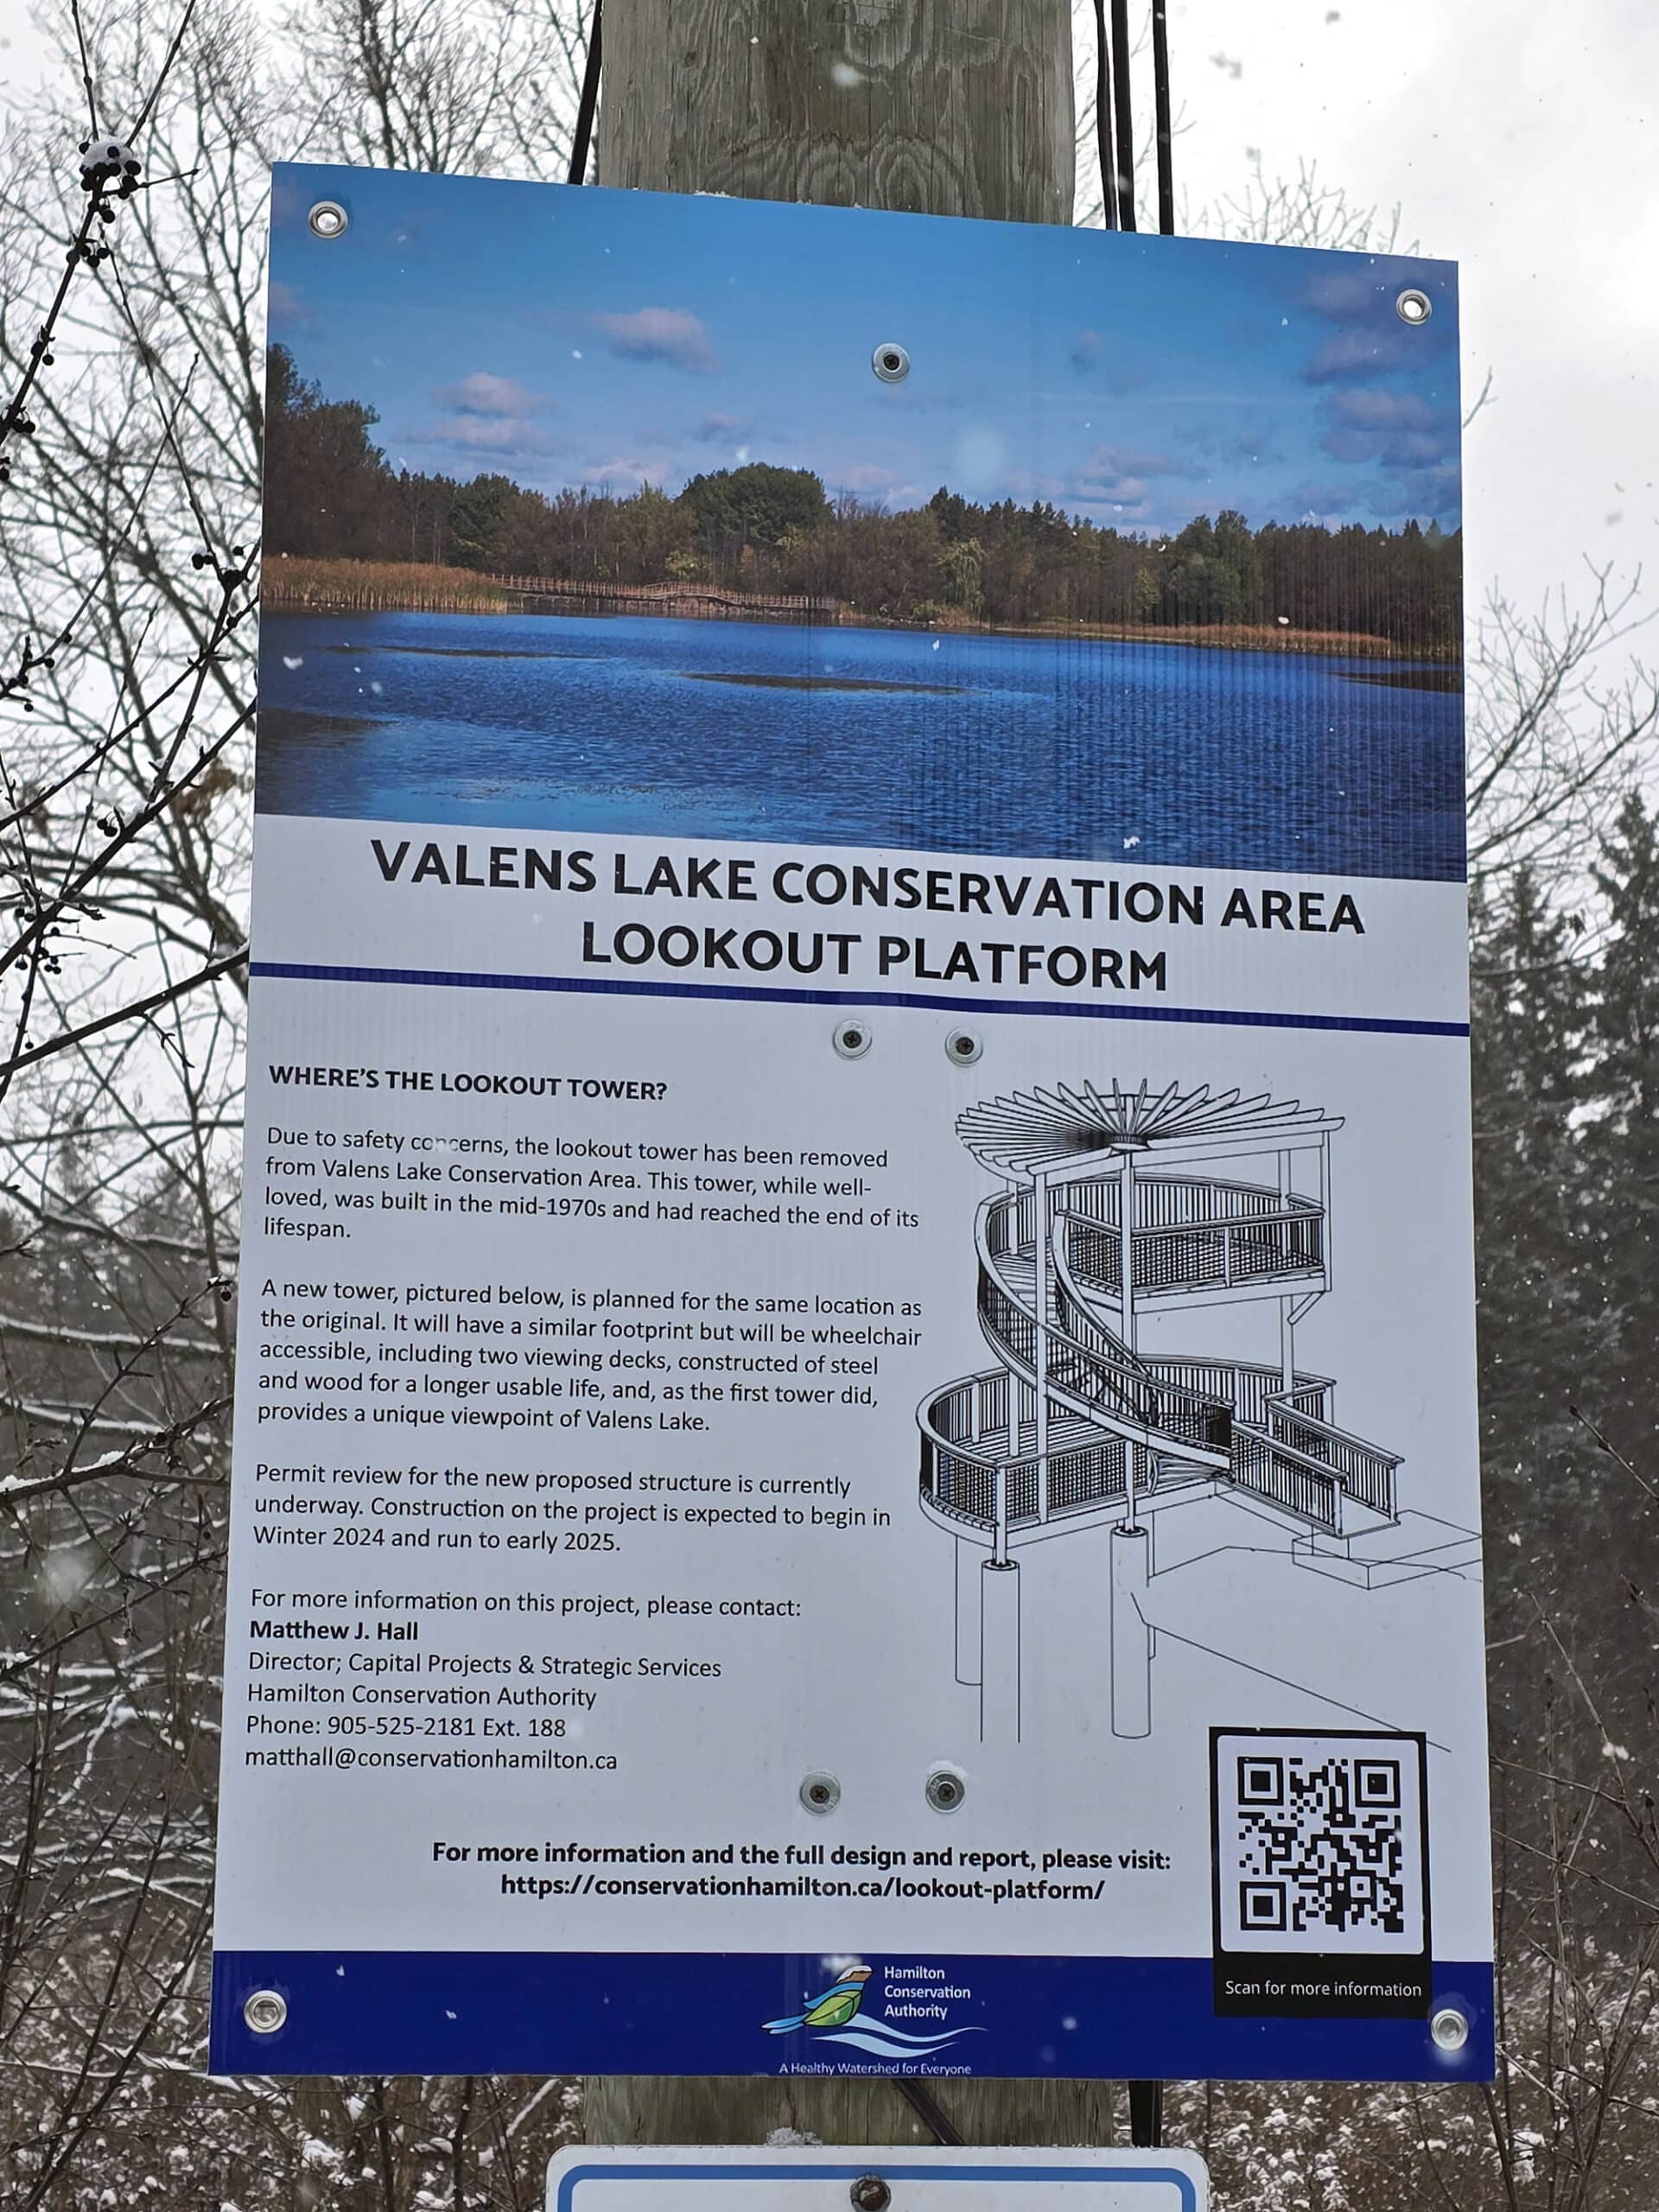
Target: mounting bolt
x=852, y=1038
x=871, y=2194
x=963, y=1048
x=945, y=1789
x=820, y=1792
x=1449, y=2027
x=890, y=362
x=265, y=2012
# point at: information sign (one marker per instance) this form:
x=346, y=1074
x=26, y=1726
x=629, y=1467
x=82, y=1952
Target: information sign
x=914, y=2180
x=855, y=1445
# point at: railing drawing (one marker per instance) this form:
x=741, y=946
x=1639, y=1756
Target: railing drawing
x=1090, y=1236
x=1120, y=1210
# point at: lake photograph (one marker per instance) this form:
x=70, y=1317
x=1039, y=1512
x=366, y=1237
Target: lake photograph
x=637, y=520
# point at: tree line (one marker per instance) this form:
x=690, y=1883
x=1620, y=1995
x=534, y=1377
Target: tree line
x=331, y=493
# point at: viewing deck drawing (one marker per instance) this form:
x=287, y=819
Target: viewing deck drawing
x=1117, y=1206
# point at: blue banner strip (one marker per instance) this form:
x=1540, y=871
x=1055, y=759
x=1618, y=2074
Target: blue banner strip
x=598, y=2013
x=294, y=971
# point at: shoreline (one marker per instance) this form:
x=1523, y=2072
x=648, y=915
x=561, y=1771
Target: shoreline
x=314, y=587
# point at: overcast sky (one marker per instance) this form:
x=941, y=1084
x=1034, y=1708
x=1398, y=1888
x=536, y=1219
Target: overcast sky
x=1520, y=142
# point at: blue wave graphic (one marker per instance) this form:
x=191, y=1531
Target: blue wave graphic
x=883, y=2042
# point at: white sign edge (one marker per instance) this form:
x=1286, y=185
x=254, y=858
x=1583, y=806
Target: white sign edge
x=848, y=2162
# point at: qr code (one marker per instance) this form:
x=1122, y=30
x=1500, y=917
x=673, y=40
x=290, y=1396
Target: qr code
x=1318, y=1842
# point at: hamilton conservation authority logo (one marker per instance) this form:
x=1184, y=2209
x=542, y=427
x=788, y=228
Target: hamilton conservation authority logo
x=837, y=2014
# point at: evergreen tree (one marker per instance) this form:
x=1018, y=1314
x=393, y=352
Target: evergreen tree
x=479, y=517
x=1235, y=551
x=327, y=488
x=1623, y=1134
x=1543, y=1322
x=1546, y=1338
x=951, y=512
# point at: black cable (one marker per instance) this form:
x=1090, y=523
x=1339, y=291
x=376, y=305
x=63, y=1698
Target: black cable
x=1104, y=121
x=928, y=2112
x=1147, y=2115
x=589, y=101
x=1125, y=115
x=1166, y=135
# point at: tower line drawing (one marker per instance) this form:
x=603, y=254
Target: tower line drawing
x=1117, y=1206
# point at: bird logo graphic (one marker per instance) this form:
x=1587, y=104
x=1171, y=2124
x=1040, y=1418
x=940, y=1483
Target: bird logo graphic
x=832, y=2010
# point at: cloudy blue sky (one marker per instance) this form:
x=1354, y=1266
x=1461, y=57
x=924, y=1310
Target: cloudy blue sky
x=607, y=338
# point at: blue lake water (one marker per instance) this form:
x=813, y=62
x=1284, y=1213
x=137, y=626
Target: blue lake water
x=1081, y=749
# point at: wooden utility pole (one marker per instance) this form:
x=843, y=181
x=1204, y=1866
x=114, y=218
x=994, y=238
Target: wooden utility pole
x=936, y=107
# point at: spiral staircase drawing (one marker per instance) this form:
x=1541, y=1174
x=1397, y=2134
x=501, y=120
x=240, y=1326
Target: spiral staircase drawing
x=1118, y=1206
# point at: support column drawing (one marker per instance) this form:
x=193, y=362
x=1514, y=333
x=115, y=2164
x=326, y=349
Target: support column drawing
x=999, y=1692
x=970, y=1641
x=1131, y=1637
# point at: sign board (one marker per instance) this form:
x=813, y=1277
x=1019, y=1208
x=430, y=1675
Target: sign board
x=855, y=1445
x=923, y=2179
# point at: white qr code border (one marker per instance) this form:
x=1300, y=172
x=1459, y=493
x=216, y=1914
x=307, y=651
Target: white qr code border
x=1338, y=1900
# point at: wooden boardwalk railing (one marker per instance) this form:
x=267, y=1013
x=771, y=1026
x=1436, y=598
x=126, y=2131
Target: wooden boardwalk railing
x=686, y=600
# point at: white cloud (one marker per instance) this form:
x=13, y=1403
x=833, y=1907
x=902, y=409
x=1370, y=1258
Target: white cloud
x=1365, y=410
x=488, y=416
x=498, y=435
x=626, y=473
x=484, y=394
x=1117, y=476
x=669, y=334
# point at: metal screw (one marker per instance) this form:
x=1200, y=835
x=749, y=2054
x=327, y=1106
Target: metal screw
x=871, y=2194
x=945, y=1789
x=820, y=1792
x=329, y=219
x=1413, y=307
x=963, y=1047
x=852, y=1040
x=1449, y=2027
x=265, y=2012
x=890, y=362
